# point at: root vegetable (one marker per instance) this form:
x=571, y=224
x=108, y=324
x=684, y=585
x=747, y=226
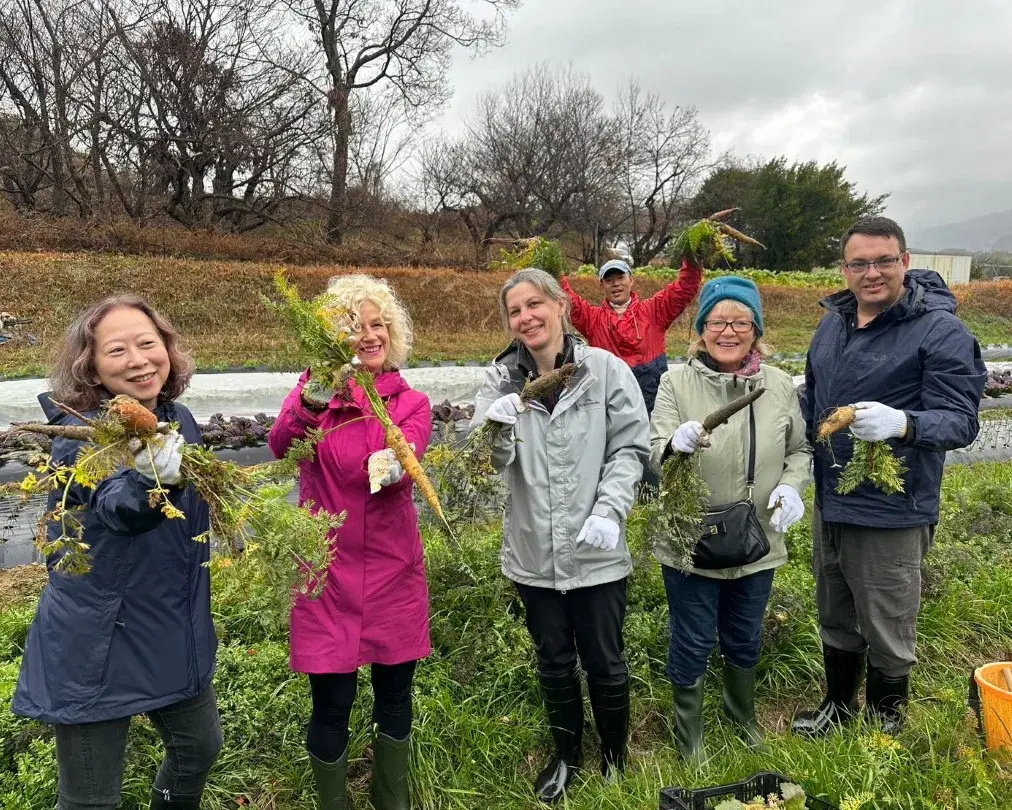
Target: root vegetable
x=137, y=420
x=839, y=419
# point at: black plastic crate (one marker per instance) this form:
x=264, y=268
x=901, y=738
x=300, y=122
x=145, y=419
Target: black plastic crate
x=762, y=784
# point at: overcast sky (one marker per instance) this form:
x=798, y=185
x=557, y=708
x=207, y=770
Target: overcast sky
x=915, y=98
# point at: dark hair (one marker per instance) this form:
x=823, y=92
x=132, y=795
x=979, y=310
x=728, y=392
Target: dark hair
x=874, y=226
x=73, y=377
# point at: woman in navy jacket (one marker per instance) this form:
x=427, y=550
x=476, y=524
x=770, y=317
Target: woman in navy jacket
x=133, y=635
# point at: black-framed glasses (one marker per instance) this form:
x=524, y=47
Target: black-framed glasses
x=736, y=326
x=885, y=263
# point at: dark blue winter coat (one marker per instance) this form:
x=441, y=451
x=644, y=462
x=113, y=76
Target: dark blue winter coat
x=918, y=357
x=135, y=633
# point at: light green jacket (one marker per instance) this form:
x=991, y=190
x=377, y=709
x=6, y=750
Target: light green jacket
x=783, y=456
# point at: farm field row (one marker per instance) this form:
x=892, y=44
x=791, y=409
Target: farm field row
x=216, y=305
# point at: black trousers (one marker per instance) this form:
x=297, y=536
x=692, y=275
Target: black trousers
x=585, y=621
x=334, y=695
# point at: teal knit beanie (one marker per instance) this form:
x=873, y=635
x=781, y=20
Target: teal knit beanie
x=735, y=288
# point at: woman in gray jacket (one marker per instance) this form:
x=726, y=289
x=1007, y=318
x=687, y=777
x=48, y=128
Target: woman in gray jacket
x=729, y=603
x=571, y=463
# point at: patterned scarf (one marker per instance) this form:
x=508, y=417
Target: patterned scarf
x=749, y=366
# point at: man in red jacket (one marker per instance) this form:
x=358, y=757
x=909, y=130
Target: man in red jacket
x=630, y=327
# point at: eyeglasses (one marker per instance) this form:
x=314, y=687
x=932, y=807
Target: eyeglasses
x=737, y=326
x=885, y=263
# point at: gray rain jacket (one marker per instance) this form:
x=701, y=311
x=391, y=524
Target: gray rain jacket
x=586, y=457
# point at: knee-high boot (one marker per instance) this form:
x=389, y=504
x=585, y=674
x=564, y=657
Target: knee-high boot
x=564, y=707
x=610, y=703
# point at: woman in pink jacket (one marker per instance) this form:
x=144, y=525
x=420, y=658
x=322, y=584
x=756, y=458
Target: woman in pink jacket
x=374, y=608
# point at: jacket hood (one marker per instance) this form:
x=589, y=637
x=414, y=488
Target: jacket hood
x=925, y=291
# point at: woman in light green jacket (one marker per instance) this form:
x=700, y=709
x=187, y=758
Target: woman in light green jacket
x=728, y=604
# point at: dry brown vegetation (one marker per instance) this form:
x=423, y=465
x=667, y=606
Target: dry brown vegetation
x=217, y=307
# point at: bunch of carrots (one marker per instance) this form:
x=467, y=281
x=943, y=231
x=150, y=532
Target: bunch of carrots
x=327, y=343
x=873, y=462
x=269, y=539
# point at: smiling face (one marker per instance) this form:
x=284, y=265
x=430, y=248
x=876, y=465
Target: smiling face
x=373, y=345
x=727, y=347
x=876, y=288
x=535, y=319
x=617, y=287
x=130, y=356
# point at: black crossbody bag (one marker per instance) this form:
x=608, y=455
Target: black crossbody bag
x=731, y=535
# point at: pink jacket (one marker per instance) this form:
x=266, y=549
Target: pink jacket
x=375, y=606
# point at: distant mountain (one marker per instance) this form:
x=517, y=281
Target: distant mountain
x=989, y=232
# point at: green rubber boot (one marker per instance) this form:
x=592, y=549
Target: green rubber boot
x=331, y=782
x=390, y=772
x=739, y=702
x=689, y=721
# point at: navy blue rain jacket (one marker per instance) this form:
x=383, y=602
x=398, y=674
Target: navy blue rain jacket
x=135, y=633
x=918, y=357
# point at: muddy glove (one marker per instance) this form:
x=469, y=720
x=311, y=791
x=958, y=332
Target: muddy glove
x=317, y=395
x=689, y=437
x=787, y=506
x=505, y=409
x=161, y=456
x=599, y=532
x=875, y=422
x=384, y=469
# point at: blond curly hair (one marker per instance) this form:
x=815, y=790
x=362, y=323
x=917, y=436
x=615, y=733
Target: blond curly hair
x=352, y=291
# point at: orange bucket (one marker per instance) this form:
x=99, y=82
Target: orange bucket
x=995, y=704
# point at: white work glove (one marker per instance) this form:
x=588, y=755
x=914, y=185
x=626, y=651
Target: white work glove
x=505, y=409
x=599, y=532
x=387, y=462
x=317, y=395
x=162, y=455
x=787, y=506
x=875, y=422
x=689, y=437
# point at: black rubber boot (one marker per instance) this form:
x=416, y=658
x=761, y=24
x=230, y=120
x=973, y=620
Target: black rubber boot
x=163, y=800
x=886, y=698
x=331, y=780
x=564, y=707
x=739, y=703
x=689, y=720
x=610, y=703
x=844, y=672
x=389, y=788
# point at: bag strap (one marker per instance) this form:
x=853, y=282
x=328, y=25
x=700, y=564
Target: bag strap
x=750, y=477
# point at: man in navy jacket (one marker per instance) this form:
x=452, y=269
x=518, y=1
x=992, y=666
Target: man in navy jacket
x=892, y=346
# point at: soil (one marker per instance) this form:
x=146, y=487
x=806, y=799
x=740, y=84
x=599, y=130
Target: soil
x=21, y=584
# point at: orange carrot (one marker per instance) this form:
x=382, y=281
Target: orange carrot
x=838, y=420
x=402, y=450
x=137, y=419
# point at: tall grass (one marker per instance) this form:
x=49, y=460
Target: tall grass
x=480, y=734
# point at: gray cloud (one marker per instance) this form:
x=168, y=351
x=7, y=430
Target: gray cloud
x=914, y=98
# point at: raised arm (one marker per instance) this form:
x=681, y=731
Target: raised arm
x=582, y=312
x=670, y=302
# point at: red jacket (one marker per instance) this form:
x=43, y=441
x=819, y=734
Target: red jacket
x=637, y=336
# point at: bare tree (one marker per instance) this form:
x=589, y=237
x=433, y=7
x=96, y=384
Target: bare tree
x=403, y=44
x=38, y=42
x=531, y=150
x=663, y=157
x=223, y=132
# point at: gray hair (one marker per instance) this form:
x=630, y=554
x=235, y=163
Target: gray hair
x=545, y=284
